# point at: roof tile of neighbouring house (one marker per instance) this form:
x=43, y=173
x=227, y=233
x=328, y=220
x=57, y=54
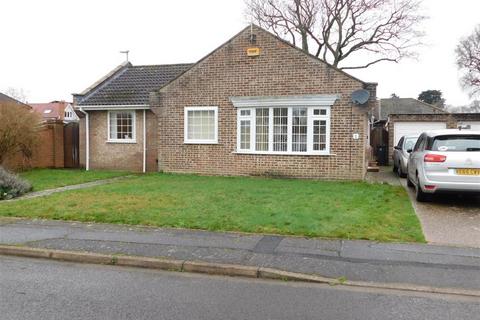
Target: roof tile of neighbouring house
x=130, y=85
x=404, y=106
x=54, y=110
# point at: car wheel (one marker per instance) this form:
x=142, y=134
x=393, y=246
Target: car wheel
x=400, y=172
x=409, y=182
x=419, y=194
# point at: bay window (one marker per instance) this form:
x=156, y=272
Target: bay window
x=284, y=130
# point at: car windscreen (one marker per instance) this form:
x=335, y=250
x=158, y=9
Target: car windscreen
x=410, y=143
x=456, y=143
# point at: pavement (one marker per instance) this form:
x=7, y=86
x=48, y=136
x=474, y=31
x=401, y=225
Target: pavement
x=418, y=264
x=44, y=289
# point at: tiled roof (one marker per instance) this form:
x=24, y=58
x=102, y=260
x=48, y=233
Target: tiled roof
x=52, y=110
x=131, y=85
x=404, y=106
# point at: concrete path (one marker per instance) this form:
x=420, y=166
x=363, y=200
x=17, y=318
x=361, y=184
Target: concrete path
x=85, y=185
x=438, y=266
x=385, y=175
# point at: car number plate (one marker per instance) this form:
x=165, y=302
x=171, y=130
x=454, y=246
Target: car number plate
x=468, y=172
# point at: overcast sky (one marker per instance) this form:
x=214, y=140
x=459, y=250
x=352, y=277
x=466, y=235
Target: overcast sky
x=51, y=49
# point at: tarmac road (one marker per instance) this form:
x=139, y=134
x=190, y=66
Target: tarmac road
x=41, y=289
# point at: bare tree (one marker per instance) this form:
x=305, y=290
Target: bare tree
x=17, y=93
x=18, y=132
x=337, y=30
x=468, y=61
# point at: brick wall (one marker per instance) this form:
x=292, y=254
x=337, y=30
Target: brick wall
x=118, y=156
x=279, y=70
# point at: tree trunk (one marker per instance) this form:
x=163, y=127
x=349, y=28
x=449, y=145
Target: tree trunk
x=304, y=41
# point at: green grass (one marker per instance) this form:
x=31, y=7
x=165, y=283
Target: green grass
x=352, y=210
x=42, y=179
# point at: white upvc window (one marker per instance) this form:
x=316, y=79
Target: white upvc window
x=121, y=126
x=201, y=125
x=284, y=130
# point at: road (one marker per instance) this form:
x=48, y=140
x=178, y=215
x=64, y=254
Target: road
x=41, y=289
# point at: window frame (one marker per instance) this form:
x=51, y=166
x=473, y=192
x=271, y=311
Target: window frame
x=186, y=140
x=310, y=125
x=134, y=127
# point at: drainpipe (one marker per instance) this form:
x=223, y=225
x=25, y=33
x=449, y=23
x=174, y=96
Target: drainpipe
x=87, y=140
x=144, y=141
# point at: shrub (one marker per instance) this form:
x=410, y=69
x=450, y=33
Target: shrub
x=18, y=131
x=11, y=185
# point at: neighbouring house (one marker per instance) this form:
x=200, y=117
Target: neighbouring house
x=381, y=114
x=16, y=160
x=414, y=124
x=397, y=117
x=56, y=111
x=9, y=100
x=58, y=138
x=60, y=147
x=254, y=106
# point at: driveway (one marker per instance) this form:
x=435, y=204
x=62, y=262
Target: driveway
x=448, y=219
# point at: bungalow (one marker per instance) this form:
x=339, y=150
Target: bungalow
x=254, y=106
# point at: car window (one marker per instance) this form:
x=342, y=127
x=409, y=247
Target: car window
x=400, y=143
x=456, y=143
x=419, y=143
x=410, y=143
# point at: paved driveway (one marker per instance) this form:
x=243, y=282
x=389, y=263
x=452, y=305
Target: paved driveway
x=448, y=219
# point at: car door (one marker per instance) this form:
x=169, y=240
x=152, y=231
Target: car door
x=397, y=152
x=415, y=156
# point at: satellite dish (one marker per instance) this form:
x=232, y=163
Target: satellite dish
x=360, y=96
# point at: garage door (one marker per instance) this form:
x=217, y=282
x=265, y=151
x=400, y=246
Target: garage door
x=414, y=128
x=474, y=125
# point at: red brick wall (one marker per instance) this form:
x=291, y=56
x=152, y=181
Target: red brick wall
x=279, y=70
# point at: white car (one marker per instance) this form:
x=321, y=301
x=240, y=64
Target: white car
x=445, y=161
x=401, y=155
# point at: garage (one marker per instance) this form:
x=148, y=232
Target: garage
x=473, y=125
x=414, y=128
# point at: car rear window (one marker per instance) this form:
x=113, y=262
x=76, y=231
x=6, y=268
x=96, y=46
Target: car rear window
x=459, y=143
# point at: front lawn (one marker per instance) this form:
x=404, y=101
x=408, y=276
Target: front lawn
x=352, y=210
x=42, y=179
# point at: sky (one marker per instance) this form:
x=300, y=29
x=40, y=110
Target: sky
x=51, y=49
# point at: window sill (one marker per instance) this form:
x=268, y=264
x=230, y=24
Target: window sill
x=122, y=141
x=200, y=142
x=285, y=153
